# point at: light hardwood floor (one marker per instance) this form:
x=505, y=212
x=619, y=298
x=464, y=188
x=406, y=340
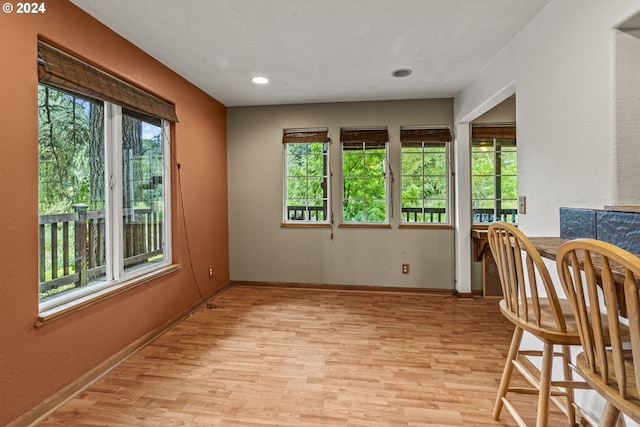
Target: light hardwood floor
x=269, y=356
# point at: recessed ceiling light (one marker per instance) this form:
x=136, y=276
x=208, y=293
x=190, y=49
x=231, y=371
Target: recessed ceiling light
x=402, y=72
x=260, y=80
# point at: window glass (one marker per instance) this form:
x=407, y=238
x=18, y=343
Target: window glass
x=71, y=191
x=84, y=245
x=306, y=181
x=143, y=190
x=494, y=179
x=364, y=190
x=424, y=182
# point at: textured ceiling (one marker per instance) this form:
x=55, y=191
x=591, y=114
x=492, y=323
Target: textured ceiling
x=319, y=51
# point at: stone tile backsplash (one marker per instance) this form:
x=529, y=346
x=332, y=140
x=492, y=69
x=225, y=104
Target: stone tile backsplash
x=575, y=223
x=620, y=228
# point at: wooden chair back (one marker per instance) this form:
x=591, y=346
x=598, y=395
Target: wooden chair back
x=601, y=281
x=530, y=297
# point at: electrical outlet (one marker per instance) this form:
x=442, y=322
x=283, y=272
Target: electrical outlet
x=522, y=205
x=210, y=272
x=405, y=268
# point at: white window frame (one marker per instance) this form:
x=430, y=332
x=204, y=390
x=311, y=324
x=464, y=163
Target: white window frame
x=116, y=276
x=327, y=180
x=496, y=176
x=447, y=177
x=387, y=173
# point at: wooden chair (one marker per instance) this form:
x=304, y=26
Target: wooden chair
x=531, y=303
x=601, y=281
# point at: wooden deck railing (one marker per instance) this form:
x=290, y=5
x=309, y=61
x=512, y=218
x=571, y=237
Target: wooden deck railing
x=72, y=245
x=488, y=215
x=306, y=213
x=426, y=215
x=439, y=215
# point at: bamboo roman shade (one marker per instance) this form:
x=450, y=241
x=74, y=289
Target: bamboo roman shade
x=416, y=136
x=493, y=132
x=305, y=135
x=353, y=138
x=59, y=69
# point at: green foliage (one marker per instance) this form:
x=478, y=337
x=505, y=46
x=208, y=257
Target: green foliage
x=56, y=291
x=487, y=163
x=307, y=172
x=63, y=143
x=364, y=185
x=146, y=190
x=66, y=174
x=424, y=181
x=71, y=170
x=494, y=169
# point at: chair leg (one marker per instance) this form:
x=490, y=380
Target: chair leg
x=610, y=416
x=506, y=373
x=542, y=418
x=568, y=376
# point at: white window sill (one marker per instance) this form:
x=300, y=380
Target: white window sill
x=47, y=316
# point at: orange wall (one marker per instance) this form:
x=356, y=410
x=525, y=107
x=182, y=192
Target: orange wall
x=36, y=363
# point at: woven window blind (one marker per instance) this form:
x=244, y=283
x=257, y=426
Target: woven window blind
x=414, y=137
x=353, y=139
x=305, y=135
x=59, y=69
x=493, y=132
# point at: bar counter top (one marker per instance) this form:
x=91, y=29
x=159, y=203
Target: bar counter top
x=548, y=246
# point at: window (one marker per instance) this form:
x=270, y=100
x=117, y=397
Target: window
x=306, y=164
x=425, y=175
x=494, y=170
x=103, y=170
x=364, y=175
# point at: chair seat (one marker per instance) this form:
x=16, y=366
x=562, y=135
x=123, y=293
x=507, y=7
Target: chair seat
x=547, y=330
x=630, y=405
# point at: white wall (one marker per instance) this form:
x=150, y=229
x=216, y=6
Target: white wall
x=626, y=104
x=562, y=69
x=261, y=250
x=577, y=84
